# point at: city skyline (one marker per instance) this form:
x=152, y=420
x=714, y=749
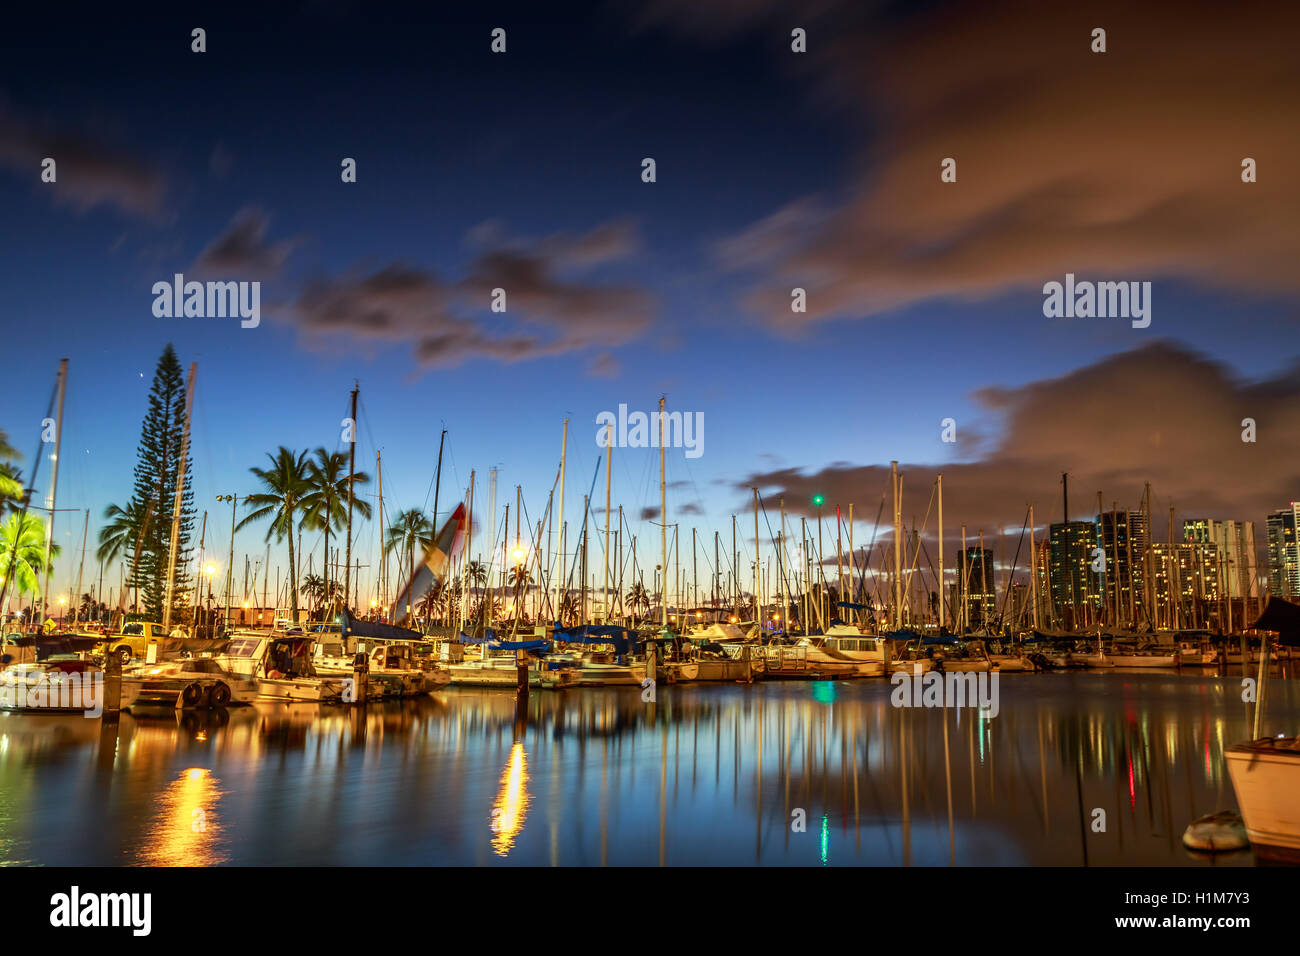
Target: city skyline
x=924, y=297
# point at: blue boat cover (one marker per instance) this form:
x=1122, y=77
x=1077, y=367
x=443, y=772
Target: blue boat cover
x=940, y=639
x=388, y=632
x=593, y=634
x=534, y=645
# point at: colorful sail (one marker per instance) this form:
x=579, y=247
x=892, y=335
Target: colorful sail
x=434, y=569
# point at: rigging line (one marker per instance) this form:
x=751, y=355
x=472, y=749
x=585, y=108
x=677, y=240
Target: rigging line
x=568, y=583
x=782, y=565
x=1006, y=596
x=27, y=500
x=875, y=530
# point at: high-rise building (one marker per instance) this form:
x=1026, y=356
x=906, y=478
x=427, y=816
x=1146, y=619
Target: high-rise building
x=1185, y=578
x=1283, y=556
x=1234, y=548
x=981, y=600
x=1075, y=588
x=1124, y=539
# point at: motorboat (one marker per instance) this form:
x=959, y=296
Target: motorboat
x=59, y=684
x=394, y=670
x=1122, y=655
x=955, y=656
x=280, y=664
x=1195, y=649
x=62, y=679
x=187, y=684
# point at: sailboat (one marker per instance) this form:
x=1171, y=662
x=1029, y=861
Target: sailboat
x=1265, y=771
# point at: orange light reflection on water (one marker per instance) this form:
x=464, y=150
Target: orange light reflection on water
x=184, y=830
x=511, y=804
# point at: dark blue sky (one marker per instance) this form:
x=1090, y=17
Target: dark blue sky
x=545, y=141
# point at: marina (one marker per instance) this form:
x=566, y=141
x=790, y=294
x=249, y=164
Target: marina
x=710, y=775
x=653, y=436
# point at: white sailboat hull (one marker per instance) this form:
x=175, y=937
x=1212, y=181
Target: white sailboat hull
x=1266, y=783
x=1144, y=660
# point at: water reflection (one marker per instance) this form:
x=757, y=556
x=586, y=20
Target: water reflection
x=708, y=775
x=185, y=831
x=512, y=802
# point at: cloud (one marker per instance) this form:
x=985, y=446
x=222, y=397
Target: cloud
x=548, y=312
x=242, y=249
x=1161, y=413
x=604, y=365
x=1116, y=165
x=90, y=172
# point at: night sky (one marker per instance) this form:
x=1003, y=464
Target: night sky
x=774, y=170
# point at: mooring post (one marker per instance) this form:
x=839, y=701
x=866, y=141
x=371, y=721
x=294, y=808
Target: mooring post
x=360, y=675
x=521, y=675
x=112, y=685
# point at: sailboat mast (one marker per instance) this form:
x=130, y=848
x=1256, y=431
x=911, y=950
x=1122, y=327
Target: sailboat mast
x=898, y=549
x=559, y=521
x=352, y=469
x=383, y=556
x=1033, y=568
x=758, y=611
x=180, y=494
x=85, y=531
x=609, y=462
x=939, y=489
x=54, y=484
x=663, y=519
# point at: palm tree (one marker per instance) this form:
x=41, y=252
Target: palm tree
x=432, y=603
x=123, y=533
x=477, y=572
x=286, y=485
x=569, y=610
x=638, y=597
x=313, y=589
x=11, y=485
x=325, y=504
x=22, y=554
x=521, y=580
x=409, y=530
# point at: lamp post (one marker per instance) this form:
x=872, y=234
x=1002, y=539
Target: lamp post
x=230, y=567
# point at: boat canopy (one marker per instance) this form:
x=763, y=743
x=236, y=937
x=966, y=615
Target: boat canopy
x=597, y=634
x=489, y=636
x=539, y=644
x=901, y=635
x=388, y=632
x=1282, y=617
x=851, y=606
x=48, y=645
x=946, y=639
x=195, y=645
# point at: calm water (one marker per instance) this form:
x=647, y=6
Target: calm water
x=707, y=775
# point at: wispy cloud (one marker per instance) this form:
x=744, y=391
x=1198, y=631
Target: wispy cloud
x=548, y=310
